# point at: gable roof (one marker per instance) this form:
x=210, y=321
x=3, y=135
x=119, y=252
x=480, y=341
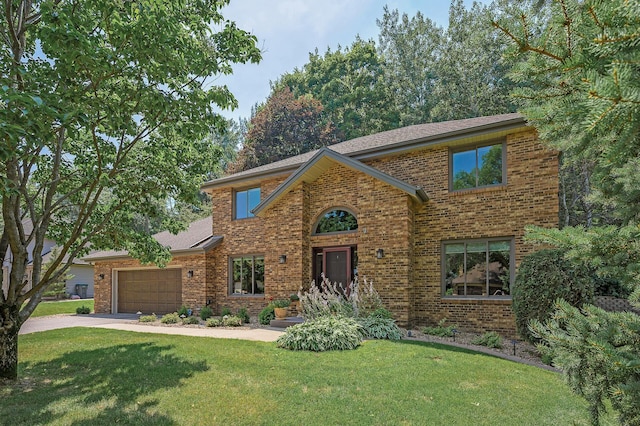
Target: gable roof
x=198, y=238
x=321, y=161
x=385, y=143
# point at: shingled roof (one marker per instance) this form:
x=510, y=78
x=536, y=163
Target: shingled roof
x=197, y=238
x=385, y=143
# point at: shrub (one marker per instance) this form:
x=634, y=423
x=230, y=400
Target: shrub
x=294, y=297
x=381, y=313
x=191, y=320
x=281, y=303
x=225, y=312
x=231, y=321
x=83, y=310
x=323, y=334
x=148, y=318
x=173, y=318
x=543, y=277
x=243, y=315
x=326, y=298
x=490, y=339
x=599, y=354
x=441, y=329
x=214, y=322
x=266, y=315
x=184, y=311
x=380, y=328
x=205, y=313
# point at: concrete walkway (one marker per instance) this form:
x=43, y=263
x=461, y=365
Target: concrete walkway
x=129, y=323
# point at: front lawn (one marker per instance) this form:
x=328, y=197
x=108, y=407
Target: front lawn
x=61, y=307
x=99, y=376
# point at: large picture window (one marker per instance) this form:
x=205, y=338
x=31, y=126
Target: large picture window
x=479, y=268
x=247, y=275
x=477, y=167
x=245, y=201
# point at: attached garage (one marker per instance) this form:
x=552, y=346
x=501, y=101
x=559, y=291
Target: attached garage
x=149, y=291
x=124, y=285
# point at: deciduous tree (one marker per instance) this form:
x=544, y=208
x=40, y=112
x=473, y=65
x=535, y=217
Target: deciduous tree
x=283, y=127
x=104, y=111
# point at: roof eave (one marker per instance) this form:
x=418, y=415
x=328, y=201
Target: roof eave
x=414, y=191
x=377, y=152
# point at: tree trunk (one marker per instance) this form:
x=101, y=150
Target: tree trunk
x=9, y=327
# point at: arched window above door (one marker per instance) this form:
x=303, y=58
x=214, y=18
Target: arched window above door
x=336, y=220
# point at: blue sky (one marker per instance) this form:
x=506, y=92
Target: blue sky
x=287, y=30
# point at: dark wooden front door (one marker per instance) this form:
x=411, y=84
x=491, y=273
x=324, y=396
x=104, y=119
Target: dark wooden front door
x=336, y=265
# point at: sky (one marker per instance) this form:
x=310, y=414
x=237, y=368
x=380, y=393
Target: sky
x=287, y=30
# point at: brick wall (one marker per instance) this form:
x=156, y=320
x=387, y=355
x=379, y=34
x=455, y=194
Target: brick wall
x=529, y=197
x=408, y=278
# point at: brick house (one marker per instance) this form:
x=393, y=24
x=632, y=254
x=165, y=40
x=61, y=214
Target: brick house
x=434, y=214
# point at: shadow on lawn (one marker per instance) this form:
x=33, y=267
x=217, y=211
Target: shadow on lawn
x=103, y=385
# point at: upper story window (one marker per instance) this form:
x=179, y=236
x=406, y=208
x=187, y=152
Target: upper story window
x=245, y=201
x=478, y=166
x=337, y=220
x=478, y=268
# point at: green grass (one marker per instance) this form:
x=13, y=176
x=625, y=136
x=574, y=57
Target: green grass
x=61, y=307
x=97, y=376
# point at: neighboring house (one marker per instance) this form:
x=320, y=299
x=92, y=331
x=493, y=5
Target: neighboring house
x=81, y=271
x=424, y=211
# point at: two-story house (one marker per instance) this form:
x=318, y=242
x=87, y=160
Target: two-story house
x=434, y=214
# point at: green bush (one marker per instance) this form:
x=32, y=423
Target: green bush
x=183, y=311
x=490, y=339
x=83, y=310
x=191, y=320
x=543, y=277
x=281, y=303
x=214, y=322
x=231, y=321
x=266, y=315
x=323, y=334
x=225, y=311
x=441, y=329
x=381, y=313
x=148, y=318
x=244, y=315
x=173, y=318
x=205, y=313
x=380, y=328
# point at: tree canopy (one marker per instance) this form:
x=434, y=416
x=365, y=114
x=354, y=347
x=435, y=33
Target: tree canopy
x=104, y=112
x=350, y=86
x=580, y=64
x=283, y=127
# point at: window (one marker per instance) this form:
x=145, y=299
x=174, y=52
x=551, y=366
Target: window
x=247, y=275
x=476, y=167
x=478, y=268
x=245, y=201
x=336, y=221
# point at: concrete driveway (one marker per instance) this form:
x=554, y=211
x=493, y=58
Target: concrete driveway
x=129, y=322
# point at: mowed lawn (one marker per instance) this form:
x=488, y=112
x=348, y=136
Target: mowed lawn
x=61, y=307
x=97, y=376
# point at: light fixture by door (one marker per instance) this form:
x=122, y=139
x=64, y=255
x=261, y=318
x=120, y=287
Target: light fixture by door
x=380, y=253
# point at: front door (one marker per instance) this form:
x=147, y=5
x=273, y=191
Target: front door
x=337, y=265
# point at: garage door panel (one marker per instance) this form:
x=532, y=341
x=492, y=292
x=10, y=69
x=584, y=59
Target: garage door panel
x=150, y=291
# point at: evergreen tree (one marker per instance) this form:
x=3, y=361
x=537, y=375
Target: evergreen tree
x=582, y=69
